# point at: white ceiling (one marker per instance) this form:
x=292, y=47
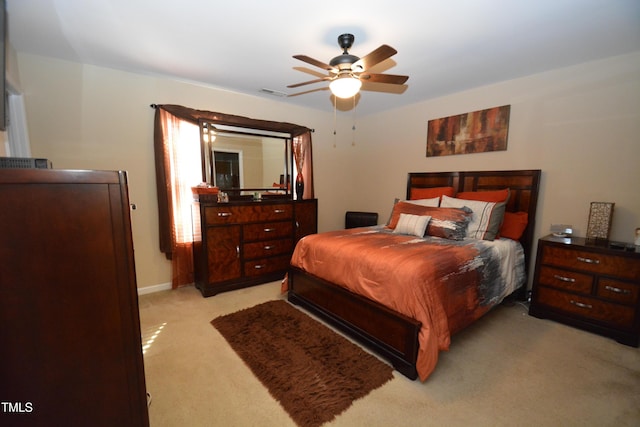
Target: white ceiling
x=445, y=46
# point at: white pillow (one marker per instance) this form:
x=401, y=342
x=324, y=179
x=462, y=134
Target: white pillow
x=486, y=219
x=414, y=225
x=433, y=203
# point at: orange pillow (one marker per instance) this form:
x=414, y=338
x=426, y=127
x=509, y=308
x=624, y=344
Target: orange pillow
x=514, y=224
x=429, y=193
x=485, y=196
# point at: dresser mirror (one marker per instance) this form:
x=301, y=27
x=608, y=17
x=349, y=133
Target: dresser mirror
x=246, y=162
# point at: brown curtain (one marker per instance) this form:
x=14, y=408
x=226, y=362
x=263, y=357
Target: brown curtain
x=167, y=121
x=178, y=165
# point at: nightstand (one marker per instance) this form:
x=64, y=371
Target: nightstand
x=588, y=284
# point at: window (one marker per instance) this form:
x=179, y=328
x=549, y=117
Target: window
x=185, y=161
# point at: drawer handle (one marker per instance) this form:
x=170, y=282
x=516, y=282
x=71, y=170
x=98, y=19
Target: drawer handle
x=224, y=214
x=237, y=251
x=564, y=279
x=581, y=304
x=268, y=230
x=258, y=267
x=268, y=247
x=278, y=210
x=588, y=260
x=617, y=290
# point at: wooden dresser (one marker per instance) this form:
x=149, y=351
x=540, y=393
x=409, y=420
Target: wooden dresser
x=589, y=285
x=70, y=345
x=245, y=243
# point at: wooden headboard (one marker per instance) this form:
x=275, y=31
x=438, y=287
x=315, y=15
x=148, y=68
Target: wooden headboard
x=523, y=185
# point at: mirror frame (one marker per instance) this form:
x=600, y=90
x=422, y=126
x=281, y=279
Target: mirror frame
x=196, y=116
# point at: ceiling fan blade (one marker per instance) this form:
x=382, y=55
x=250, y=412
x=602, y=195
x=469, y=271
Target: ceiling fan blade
x=315, y=62
x=309, y=82
x=384, y=78
x=375, y=57
x=308, y=91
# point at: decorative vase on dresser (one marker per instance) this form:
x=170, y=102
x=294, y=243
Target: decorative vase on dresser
x=70, y=344
x=299, y=186
x=589, y=284
x=245, y=243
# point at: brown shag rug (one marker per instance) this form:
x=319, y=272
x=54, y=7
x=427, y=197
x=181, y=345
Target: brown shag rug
x=313, y=372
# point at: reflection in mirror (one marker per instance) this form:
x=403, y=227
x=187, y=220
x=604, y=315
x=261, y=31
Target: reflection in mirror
x=228, y=165
x=242, y=161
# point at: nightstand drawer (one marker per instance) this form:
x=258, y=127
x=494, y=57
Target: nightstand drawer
x=592, y=262
x=589, y=308
x=615, y=290
x=564, y=279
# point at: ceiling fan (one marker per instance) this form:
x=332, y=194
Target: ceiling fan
x=347, y=72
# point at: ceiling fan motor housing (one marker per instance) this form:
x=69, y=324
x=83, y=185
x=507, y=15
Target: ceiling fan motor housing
x=343, y=61
x=346, y=41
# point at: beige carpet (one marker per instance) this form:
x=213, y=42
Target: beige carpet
x=509, y=369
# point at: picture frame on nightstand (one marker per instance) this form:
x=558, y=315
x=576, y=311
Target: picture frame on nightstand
x=600, y=217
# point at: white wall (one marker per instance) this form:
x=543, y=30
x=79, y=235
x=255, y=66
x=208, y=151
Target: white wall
x=580, y=125
x=13, y=81
x=87, y=117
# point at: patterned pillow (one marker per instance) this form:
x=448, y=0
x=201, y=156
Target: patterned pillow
x=414, y=225
x=487, y=216
x=434, y=202
x=449, y=223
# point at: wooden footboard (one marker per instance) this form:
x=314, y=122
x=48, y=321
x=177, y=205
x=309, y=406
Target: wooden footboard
x=388, y=333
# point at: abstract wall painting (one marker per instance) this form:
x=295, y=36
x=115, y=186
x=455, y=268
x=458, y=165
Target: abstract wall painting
x=475, y=132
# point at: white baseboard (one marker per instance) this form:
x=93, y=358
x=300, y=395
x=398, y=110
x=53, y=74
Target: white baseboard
x=154, y=288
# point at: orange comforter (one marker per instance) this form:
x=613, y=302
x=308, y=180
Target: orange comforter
x=441, y=283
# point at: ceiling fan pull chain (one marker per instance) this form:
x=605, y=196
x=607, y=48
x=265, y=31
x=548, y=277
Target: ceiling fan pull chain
x=334, y=122
x=353, y=128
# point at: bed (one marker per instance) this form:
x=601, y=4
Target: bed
x=448, y=301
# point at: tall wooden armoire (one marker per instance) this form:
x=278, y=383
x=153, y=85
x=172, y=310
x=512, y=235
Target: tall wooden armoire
x=70, y=344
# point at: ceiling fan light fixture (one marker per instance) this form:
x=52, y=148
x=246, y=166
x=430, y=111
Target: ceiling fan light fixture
x=345, y=86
